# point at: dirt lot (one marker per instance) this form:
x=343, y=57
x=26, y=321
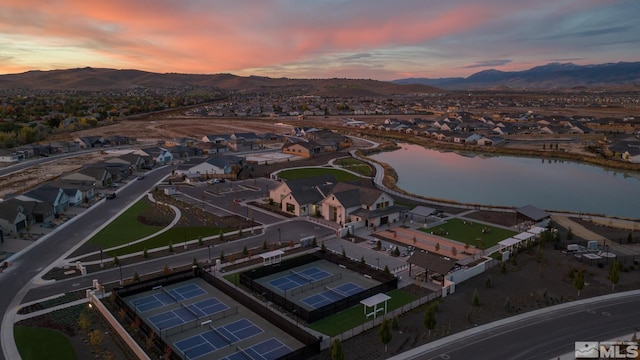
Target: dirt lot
x=33, y=176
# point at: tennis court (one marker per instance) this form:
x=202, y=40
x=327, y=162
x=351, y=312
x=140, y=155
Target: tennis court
x=299, y=278
x=217, y=338
x=186, y=313
x=165, y=297
x=331, y=295
x=270, y=349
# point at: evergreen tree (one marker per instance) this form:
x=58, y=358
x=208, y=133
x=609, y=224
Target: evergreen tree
x=429, y=319
x=337, y=351
x=614, y=274
x=384, y=333
x=578, y=281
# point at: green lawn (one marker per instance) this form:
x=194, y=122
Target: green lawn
x=126, y=228
x=174, y=235
x=233, y=278
x=355, y=165
x=294, y=174
x=469, y=234
x=348, y=319
x=39, y=343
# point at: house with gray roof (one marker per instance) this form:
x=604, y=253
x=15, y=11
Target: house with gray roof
x=359, y=206
x=301, y=197
x=12, y=217
x=35, y=211
x=98, y=176
x=213, y=165
x=52, y=195
x=350, y=204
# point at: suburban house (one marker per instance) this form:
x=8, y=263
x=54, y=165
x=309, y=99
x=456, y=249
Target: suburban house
x=86, y=188
x=304, y=149
x=160, y=155
x=186, y=142
x=98, y=176
x=52, y=195
x=35, y=211
x=12, y=217
x=338, y=202
x=208, y=148
x=359, y=206
x=217, y=138
x=132, y=160
x=301, y=196
x=116, y=140
x=244, y=141
x=87, y=142
x=329, y=140
x=218, y=164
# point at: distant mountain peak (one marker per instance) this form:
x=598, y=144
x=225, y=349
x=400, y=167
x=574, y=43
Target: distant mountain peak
x=554, y=75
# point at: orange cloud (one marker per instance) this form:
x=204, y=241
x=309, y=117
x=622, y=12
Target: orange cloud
x=207, y=37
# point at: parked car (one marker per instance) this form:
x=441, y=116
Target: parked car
x=140, y=177
x=214, y=181
x=110, y=196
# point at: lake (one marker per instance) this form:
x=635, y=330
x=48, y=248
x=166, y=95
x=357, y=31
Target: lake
x=557, y=185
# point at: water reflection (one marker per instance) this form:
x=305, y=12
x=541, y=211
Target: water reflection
x=553, y=184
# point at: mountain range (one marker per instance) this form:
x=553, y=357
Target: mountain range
x=545, y=77
x=98, y=79
x=552, y=76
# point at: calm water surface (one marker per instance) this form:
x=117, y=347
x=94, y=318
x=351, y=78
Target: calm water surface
x=515, y=181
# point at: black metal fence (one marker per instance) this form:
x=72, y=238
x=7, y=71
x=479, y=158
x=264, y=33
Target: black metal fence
x=137, y=322
x=312, y=344
x=388, y=283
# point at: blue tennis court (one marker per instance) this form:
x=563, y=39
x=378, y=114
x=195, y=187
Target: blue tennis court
x=299, y=278
x=187, y=313
x=165, y=297
x=267, y=350
x=331, y=295
x=217, y=338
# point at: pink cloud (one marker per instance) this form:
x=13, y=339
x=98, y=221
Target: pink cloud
x=204, y=37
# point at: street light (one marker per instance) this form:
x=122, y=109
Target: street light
x=264, y=295
x=120, y=267
x=378, y=266
x=296, y=316
x=101, y=263
x=209, y=247
x=279, y=237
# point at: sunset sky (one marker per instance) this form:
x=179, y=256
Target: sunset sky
x=381, y=40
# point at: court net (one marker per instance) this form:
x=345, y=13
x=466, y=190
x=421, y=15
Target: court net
x=190, y=310
x=241, y=350
x=170, y=294
x=302, y=276
x=336, y=292
x=217, y=332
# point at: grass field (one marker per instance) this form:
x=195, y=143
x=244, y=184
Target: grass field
x=470, y=232
x=355, y=166
x=126, y=228
x=348, y=319
x=294, y=174
x=39, y=343
x=175, y=236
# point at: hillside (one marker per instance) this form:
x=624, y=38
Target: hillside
x=91, y=79
x=551, y=76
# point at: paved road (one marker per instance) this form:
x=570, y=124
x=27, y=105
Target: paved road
x=16, y=280
x=29, y=265
x=542, y=334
